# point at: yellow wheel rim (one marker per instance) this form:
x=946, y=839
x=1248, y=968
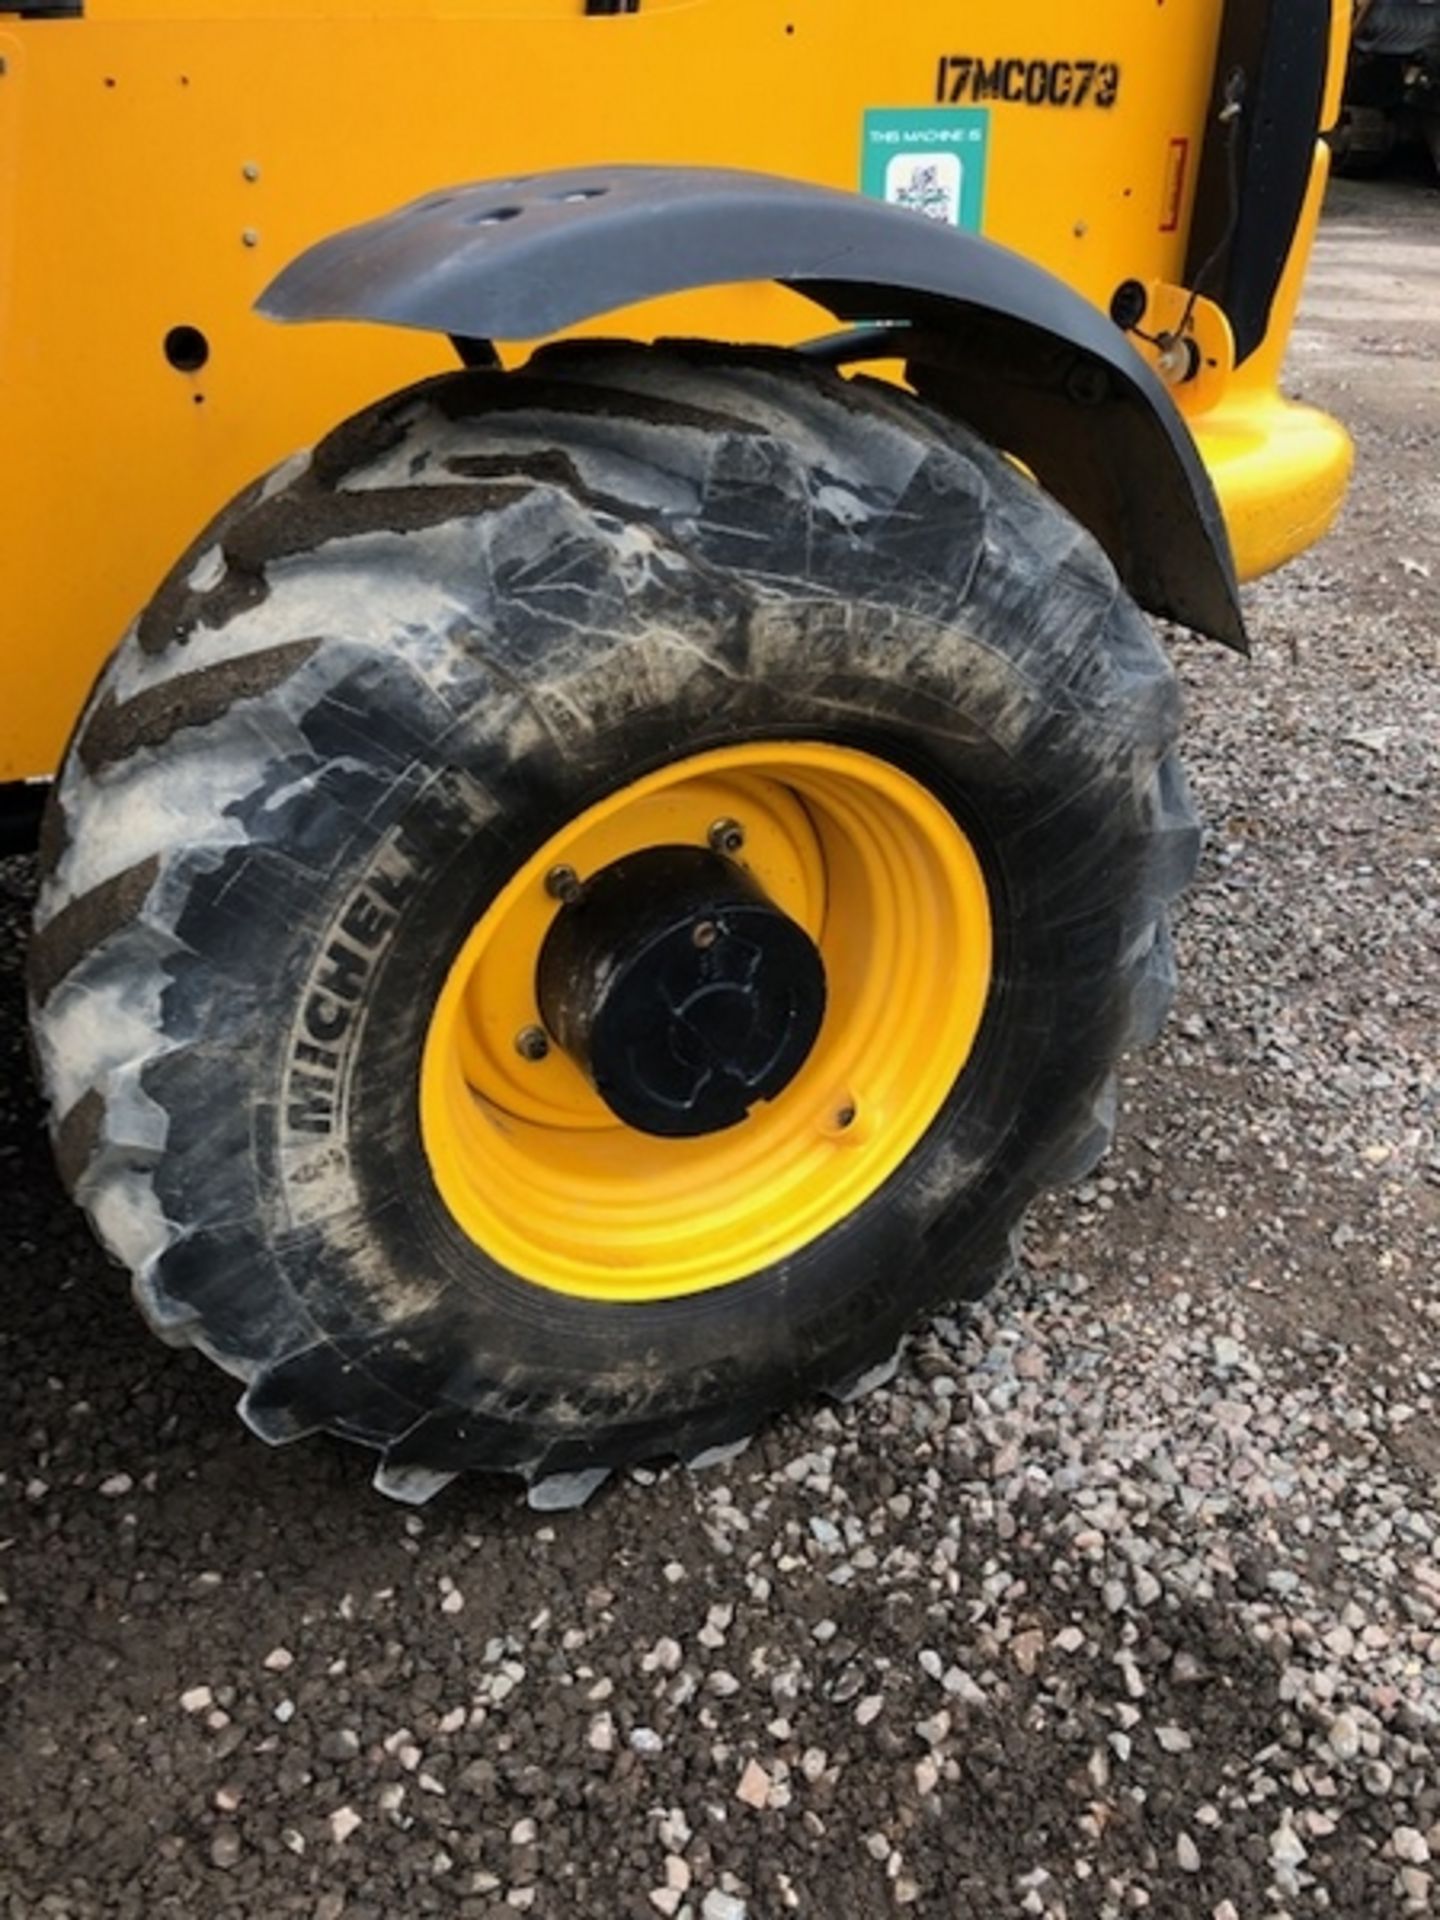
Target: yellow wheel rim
x=541, y=1175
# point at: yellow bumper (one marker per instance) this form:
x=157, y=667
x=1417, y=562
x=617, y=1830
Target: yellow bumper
x=1280, y=469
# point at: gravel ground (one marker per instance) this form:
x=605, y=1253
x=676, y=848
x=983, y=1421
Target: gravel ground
x=1124, y=1597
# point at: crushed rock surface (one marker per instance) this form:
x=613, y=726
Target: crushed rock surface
x=1122, y=1598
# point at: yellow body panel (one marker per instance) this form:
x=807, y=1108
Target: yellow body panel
x=158, y=165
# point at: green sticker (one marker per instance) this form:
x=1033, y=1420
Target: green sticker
x=930, y=159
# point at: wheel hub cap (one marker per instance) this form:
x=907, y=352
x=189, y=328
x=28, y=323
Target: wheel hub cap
x=681, y=991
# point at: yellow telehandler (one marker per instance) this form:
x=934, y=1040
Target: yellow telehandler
x=588, y=900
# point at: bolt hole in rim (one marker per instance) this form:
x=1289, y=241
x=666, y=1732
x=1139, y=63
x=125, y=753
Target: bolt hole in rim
x=541, y=1175
x=187, y=349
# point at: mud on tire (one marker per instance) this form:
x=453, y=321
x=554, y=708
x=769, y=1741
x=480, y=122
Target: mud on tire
x=378, y=683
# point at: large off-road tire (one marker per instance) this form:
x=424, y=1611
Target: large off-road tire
x=295, y=887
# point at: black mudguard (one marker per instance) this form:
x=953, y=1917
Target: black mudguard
x=987, y=335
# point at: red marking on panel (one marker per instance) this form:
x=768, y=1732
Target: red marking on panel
x=1177, y=164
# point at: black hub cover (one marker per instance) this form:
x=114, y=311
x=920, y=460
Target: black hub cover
x=683, y=993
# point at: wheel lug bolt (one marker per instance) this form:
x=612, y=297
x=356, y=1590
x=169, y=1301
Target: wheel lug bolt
x=704, y=933
x=727, y=836
x=563, y=884
x=532, y=1043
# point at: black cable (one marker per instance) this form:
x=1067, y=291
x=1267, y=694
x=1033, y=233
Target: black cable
x=1230, y=117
